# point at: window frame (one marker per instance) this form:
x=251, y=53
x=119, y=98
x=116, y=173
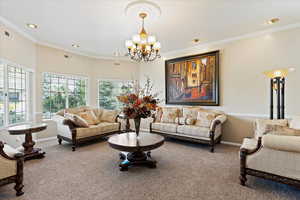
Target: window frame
x=66, y=77
x=29, y=91
x=106, y=79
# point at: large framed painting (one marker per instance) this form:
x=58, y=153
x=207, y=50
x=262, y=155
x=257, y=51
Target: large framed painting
x=193, y=80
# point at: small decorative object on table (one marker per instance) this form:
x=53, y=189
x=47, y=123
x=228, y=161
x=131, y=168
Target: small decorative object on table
x=140, y=103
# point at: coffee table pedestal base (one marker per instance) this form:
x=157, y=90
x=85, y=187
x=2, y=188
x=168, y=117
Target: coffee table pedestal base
x=136, y=159
x=36, y=153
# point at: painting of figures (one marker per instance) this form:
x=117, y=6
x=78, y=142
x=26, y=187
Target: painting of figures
x=193, y=80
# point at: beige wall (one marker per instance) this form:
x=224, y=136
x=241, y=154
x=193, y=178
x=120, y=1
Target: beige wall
x=244, y=89
x=20, y=50
x=16, y=48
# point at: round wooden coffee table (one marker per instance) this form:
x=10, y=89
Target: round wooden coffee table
x=27, y=129
x=133, y=149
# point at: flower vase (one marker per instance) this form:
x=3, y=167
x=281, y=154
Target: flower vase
x=137, y=123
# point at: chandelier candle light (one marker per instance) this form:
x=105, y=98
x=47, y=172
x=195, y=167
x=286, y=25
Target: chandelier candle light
x=143, y=47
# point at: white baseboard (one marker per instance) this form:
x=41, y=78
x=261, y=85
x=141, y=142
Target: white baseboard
x=46, y=139
x=231, y=143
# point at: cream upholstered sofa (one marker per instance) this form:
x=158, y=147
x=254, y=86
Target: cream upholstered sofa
x=104, y=124
x=273, y=153
x=11, y=167
x=189, y=123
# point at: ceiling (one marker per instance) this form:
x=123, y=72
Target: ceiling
x=100, y=27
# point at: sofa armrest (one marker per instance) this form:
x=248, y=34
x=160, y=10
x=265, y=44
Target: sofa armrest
x=282, y=143
x=220, y=119
x=70, y=124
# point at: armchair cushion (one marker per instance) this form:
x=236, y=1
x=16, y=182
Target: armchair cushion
x=261, y=125
x=249, y=144
x=282, y=130
x=295, y=123
x=11, y=152
x=282, y=143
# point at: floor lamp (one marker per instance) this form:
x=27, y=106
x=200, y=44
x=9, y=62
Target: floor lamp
x=277, y=86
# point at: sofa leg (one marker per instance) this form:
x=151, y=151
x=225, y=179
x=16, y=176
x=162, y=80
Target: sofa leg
x=59, y=141
x=18, y=187
x=243, y=179
x=212, y=149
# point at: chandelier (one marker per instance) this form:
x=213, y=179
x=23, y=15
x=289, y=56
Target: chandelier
x=143, y=47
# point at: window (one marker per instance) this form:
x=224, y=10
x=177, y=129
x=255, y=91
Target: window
x=14, y=93
x=62, y=91
x=108, y=90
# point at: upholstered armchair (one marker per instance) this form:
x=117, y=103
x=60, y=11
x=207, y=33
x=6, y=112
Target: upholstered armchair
x=11, y=167
x=272, y=154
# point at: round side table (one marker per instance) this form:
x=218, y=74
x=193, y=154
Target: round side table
x=27, y=129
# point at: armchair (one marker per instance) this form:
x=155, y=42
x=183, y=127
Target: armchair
x=273, y=156
x=11, y=167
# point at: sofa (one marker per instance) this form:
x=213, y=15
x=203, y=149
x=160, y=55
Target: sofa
x=189, y=123
x=11, y=167
x=273, y=153
x=78, y=125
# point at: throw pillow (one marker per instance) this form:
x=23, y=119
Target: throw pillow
x=169, y=115
x=77, y=120
x=282, y=130
x=109, y=115
x=190, y=121
x=89, y=117
x=204, y=119
x=158, y=115
x=180, y=120
x=190, y=112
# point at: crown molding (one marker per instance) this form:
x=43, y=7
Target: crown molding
x=169, y=54
x=38, y=42
x=121, y=58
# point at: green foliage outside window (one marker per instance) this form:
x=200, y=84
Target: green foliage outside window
x=108, y=92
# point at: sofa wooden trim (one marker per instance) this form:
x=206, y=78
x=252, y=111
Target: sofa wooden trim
x=76, y=141
x=244, y=171
x=18, y=178
x=210, y=142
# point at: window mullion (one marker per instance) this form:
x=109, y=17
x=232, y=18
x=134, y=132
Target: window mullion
x=6, y=105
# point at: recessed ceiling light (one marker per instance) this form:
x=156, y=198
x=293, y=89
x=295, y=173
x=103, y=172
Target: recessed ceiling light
x=196, y=40
x=273, y=21
x=33, y=26
x=75, y=45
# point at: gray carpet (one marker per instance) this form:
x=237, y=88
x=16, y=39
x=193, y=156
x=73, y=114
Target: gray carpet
x=185, y=172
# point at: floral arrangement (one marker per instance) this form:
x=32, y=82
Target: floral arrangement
x=139, y=102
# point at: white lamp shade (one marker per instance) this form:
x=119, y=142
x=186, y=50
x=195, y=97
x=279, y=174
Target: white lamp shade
x=148, y=48
x=156, y=45
x=136, y=39
x=151, y=39
x=129, y=44
x=143, y=41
